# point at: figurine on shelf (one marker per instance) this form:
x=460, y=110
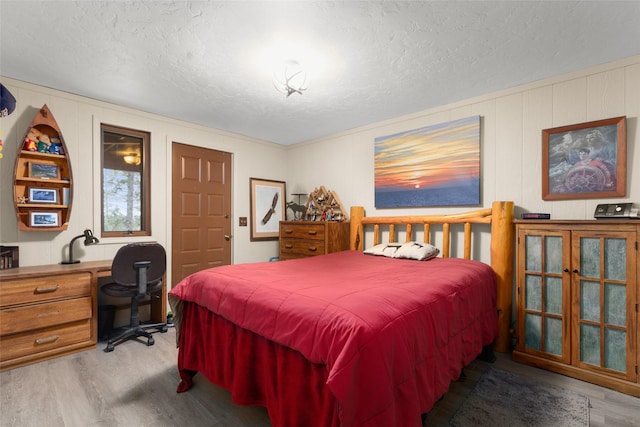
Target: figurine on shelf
x=56, y=146
x=22, y=200
x=31, y=140
x=44, y=143
x=298, y=210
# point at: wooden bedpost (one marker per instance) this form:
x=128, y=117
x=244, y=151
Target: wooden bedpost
x=356, y=235
x=502, y=247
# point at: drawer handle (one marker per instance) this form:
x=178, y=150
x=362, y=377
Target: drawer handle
x=312, y=232
x=40, y=290
x=49, y=340
x=50, y=313
x=288, y=230
x=313, y=248
x=288, y=245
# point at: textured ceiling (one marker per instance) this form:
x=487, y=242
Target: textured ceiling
x=208, y=62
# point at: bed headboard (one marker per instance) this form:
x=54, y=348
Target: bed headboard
x=500, y=216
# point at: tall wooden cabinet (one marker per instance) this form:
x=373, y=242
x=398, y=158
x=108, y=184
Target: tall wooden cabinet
x=577, y=300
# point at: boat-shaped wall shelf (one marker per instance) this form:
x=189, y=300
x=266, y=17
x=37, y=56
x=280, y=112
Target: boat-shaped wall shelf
x=43, y=185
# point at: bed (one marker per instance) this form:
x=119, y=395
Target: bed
x=351, y=339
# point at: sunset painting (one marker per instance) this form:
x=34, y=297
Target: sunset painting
x=435, y=165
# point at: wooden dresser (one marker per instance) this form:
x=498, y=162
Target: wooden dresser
x=577, y=299
x=48, y=311
x=299, y=239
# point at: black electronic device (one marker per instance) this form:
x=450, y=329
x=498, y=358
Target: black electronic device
x=617, y=211
x=535, y=215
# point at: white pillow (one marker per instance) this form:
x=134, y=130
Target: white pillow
x=409, y=250
x=383, y=249
x=416, y=250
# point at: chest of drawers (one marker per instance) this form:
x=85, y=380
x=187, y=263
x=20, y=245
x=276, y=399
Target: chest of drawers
x=47, y=311
x=299, y=239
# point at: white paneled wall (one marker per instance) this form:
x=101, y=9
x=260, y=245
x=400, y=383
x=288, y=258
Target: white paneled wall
x=79, y=119
x=511, y=138
x=512, y=121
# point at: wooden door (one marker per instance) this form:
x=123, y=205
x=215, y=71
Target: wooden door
x=201, y=210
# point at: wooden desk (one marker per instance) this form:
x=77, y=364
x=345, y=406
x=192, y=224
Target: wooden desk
x=48, y=311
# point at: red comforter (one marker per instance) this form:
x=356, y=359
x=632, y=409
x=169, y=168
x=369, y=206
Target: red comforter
x=392, y=333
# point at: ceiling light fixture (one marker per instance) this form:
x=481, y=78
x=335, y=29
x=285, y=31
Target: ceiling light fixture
x=290, y=78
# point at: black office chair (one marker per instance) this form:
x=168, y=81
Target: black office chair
x=137, y=270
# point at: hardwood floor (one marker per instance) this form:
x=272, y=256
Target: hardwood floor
x=135, y=386
x=608, y=408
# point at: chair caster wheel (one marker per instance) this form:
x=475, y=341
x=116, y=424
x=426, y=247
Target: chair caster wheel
x=164, y=329
x=150, y=342
x=110, y=348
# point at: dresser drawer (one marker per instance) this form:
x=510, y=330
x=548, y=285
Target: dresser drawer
x=301, y=247
x=300, y=239
x=31, y=317
x=308, y=231
x=26, y=291
x=19, y=345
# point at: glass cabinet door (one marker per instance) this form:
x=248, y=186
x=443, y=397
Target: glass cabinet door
x=601, y=282
x=544, y=294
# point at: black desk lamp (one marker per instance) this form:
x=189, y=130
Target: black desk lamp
x=89, y=239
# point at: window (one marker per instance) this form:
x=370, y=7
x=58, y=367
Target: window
x=125, y=182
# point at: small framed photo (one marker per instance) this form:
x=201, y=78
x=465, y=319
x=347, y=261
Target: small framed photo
x=44, y=219
x=585, y=160
x=43, y=195
x=268, y=208
x=43, y=170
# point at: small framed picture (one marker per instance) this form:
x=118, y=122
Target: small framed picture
x=44, y=219
x=43, y=195
x=268, y=208
x=43, y=170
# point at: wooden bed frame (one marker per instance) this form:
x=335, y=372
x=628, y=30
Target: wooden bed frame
x=251, y=383
x=500, y=216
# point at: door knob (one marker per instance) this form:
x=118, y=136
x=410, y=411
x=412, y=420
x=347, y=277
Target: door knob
x=227, y=237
